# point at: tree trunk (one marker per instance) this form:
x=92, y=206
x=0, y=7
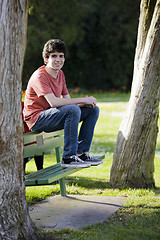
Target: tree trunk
x=133, y=160
x=15, y=221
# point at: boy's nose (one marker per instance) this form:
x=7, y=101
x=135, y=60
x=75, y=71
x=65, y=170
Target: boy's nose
x=57, y=58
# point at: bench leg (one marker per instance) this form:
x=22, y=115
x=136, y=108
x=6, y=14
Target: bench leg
x=58, y=155
x=62, y=180
x=62, y=187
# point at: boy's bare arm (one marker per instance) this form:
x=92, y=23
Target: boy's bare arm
x=66, y=100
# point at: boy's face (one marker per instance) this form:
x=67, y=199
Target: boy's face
x=55, y=60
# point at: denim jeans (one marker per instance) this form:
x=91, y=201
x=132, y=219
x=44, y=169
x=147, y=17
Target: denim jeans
x=68, y=117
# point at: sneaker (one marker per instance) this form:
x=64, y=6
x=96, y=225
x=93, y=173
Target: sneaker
x=74, y=162
x=88, y=159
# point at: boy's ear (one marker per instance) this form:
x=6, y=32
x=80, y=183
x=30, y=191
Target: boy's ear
x=46, y=59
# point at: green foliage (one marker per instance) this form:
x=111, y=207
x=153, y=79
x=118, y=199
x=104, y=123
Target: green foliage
x=100, y=37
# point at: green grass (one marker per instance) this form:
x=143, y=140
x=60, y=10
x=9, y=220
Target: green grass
x=106, y=97
x=139, y=218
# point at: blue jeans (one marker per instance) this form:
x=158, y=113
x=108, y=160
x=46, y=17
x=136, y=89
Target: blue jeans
x=68, y=117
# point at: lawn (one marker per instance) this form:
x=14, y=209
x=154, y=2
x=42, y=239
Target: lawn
x=140, y=216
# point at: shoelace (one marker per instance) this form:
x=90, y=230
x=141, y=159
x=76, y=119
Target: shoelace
x=88, y=156
x=76, y=158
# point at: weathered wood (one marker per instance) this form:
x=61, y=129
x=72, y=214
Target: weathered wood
x=47, y=143
x=15, y=221
x=43, y=143
x=133, y=162
x=31, y=136
x=49, y=175
x=37, y=144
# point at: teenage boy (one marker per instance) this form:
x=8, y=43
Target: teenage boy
x=48, y=107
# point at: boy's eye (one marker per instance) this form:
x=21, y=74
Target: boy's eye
x=54, y=56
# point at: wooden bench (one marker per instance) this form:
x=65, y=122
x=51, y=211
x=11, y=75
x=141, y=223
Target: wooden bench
x=36, y=144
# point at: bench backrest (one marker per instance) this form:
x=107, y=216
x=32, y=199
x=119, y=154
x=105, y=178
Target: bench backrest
x=36, y=144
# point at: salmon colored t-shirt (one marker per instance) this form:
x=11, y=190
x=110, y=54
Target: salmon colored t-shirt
x=40, y=84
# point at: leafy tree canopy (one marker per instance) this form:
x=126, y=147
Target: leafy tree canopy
x=100, y=37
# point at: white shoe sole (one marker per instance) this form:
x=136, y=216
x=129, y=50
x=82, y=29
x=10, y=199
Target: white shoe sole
x=63, y=165
x=94, y=163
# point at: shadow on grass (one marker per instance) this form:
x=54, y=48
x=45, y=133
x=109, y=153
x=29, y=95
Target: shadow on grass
x=157, y=190
x=90, y=184
x=87, y=183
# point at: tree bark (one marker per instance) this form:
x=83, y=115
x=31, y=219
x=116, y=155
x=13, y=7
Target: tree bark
x=133, y=160
x=15, y=221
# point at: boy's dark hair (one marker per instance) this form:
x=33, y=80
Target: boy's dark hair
x=53, y=45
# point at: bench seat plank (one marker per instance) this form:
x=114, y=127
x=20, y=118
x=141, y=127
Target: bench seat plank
x=50, y=174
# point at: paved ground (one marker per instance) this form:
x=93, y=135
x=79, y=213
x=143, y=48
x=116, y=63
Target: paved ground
x=74, y=211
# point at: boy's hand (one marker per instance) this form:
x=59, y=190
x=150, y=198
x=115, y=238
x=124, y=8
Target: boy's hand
x=90, y=101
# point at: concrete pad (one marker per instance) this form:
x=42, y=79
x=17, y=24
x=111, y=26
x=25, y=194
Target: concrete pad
x=73, y=211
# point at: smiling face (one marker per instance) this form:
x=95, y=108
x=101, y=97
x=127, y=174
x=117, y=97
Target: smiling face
x=55, y=61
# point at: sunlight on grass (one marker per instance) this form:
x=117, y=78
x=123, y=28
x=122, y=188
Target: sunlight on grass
x=104, y=141
x=138, y=218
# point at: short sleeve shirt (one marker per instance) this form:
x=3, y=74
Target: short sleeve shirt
x=40, y=84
